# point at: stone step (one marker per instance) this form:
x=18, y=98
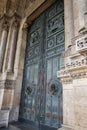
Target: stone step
x=11, y=127
x=21, y=126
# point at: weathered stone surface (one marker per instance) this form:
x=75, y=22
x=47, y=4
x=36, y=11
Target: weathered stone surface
x=4, y=118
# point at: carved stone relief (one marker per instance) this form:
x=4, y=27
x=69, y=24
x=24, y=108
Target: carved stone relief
x=7, y=84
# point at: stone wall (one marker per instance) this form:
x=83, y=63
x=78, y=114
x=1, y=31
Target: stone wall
x=73, y=73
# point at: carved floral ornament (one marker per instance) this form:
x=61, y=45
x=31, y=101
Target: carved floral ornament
x=5, y=25
x=15, y=24
x=66, y=80
x=68, y=76
x=6, y=21
x=74, y=69
x=81, y=44
x=16, y=20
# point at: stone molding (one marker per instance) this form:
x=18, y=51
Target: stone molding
x=4, y=117
x=66, y=80
x=15, y=24
x=74, y=70
x=15, y=20
x=73, y=66
x=77, y=67
x=63, y=73
x=7, y=84
x=66, y=127
x=78, y=44
x=81, y=44
x=15, y=14
x=77, y=64
x=68, y=75
x=6, y=20
x=5, y=25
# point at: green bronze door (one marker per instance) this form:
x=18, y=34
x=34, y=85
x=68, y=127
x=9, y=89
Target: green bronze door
x=41, y=100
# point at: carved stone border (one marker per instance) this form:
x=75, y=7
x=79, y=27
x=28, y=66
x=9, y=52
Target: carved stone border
x=7, y=84
x=67, y=80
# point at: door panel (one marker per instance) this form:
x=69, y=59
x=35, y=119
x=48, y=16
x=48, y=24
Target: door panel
x=41, y=100
x=54, y=48
x=32, y=68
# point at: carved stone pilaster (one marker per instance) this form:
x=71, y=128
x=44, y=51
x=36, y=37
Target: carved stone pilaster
x=82, y=13
x=14, y=37
x=85, y=19
x=3, y=43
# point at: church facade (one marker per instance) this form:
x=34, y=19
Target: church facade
x=43, y=63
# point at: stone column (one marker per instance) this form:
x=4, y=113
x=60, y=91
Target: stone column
x=68, y=106
x=20, y=56
x=3, y=44
x=69, y=22
x=13, y=47
x=82, y=13
x=71, y=18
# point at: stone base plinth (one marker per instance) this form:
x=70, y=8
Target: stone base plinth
x=65, y=127
x=4, y=117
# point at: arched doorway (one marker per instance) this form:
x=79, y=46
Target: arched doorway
x=41, y=100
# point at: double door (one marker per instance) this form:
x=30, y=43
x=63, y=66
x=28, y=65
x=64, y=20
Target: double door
x=41, y=99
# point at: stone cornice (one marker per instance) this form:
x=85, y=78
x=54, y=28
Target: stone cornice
x=78, y=75
x=76, y=65
x=66, y=80
x=74, y=70
x=70, y=76
x=63, y=73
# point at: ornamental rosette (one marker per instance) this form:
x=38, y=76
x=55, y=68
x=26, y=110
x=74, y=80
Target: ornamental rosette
x=28, y=90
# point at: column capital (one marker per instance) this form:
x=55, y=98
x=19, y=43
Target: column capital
x=5, y=25
x=15, y=20
x=15, y=24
